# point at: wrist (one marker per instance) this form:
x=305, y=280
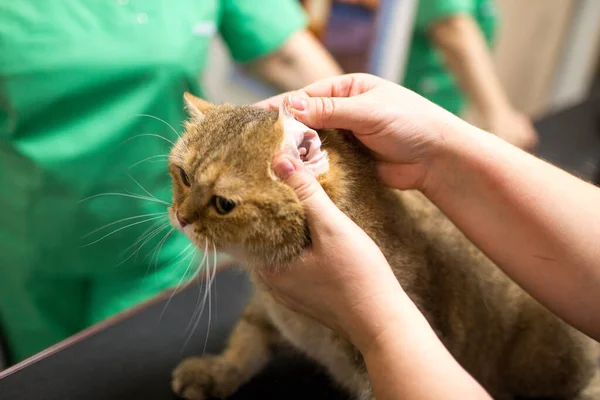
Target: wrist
x=387, y=326
x=494, y=110
x=454, y=137
x=463, y=144
x=410, y=351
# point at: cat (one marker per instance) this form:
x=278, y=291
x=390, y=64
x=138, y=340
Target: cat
x=225, y=192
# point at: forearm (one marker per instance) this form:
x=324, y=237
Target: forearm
x=467, y=56
x=409, y=362
x=299, y=62
x=538, y=223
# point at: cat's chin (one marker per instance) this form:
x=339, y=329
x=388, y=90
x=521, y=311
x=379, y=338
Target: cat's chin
x=236, y=252
x=273, y=259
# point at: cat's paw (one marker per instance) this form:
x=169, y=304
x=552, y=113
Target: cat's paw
x=204, y=378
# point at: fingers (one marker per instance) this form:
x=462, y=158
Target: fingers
x=323, y=216
x=326, y=112
x=308, y=190
x=271, y=103
x=340, y=86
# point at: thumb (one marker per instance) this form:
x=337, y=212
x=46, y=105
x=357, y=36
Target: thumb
x=308, y=190
x=325, y=112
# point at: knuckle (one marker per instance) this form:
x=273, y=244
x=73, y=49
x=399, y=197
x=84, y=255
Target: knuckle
x=325, y=110
x=304, y=188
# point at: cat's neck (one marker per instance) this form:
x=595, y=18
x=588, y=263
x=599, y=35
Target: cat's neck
x=386, y=215
x=353, y=184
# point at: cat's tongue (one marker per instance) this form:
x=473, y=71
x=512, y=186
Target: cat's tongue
x=303, y=143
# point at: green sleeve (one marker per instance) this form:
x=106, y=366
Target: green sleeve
x=430, y=11
x=253, y=28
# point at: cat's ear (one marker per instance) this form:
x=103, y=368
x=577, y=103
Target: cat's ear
x=195, y=106
x=302, y=142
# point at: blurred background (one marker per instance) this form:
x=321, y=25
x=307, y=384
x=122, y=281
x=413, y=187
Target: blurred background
x=546, y=54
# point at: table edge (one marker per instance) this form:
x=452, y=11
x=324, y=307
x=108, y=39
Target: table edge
x=100, y=326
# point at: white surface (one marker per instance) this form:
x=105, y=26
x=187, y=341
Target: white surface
x=576, y=70
x=394, y=26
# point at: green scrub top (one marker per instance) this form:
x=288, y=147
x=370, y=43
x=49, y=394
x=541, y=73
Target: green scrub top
x=75, y=78
x=426, y=73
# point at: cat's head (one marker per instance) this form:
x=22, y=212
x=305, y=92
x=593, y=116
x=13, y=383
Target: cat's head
x=224, y=190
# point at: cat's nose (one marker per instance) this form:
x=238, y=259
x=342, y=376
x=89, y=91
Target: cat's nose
x=182, y=221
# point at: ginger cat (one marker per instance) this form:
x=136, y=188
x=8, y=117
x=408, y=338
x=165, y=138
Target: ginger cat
x=225, y=193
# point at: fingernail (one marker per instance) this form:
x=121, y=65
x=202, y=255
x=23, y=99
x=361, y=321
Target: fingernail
x=298, y=103
x=284, y=168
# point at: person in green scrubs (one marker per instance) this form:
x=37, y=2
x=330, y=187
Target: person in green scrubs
x=90, y=101
x=450, y=63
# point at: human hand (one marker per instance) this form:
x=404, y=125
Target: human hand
x=404, y=130
x=343, y=281
x=513, y=127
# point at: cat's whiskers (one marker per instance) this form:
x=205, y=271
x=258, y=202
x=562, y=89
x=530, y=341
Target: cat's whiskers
x=121, y=228
x=156, y=251
x=150, y=237
x=205, y=297
x=134, y=196
x=181, y=252
x=199, y=282
x=176, y=290
x=150, y=197
x=122, y=220
x=165, y=156
x=200, y=304
x=145, y=237
x=210, y=283
x=150, y=135
x=145, y=234
x=159, y=119
x=144, y=189
x=215, y=287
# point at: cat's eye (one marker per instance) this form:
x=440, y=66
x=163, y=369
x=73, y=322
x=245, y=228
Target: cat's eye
x=184, y=177
x=222, y=205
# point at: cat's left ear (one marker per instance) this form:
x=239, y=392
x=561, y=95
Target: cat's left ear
x=302, y=142
x=195, y=106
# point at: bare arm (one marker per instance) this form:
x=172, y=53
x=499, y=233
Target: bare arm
x=465, y=52
x=300, y=61
x=540, y=224
x=408, y=361
x=353, y=290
